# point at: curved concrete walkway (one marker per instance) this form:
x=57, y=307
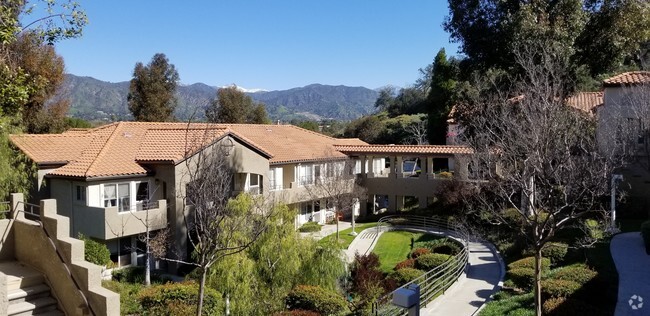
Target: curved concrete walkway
x=466, y=296
x=633, y=266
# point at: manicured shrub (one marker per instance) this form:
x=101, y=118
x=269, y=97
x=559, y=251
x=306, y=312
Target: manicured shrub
x=129, y=274
x=408, y=263
x=560, y=306
x=430, y=261
x=317, y=299
x=129, y=303
x=418, y=252
x=309, y=227
x=179, y=299
x=645, y=233
x=406, y=275
x=580, y=274
x=445, y=175
x=529, y=262
x=559, y=288
x=95, y=252
x=555, y=251
x=522, y=278
x=448, y=248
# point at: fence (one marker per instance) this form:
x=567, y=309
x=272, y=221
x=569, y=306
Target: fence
x=434, y=282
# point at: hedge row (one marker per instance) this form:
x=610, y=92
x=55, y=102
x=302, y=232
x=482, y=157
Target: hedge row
x=431, y=260
x=529, y=262
x=405, y=275
x=179, y=299
x=309, y=227
x=317, y=299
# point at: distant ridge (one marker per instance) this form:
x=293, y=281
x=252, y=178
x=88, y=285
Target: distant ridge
x=93, y=99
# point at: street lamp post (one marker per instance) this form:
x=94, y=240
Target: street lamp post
x=616, y=178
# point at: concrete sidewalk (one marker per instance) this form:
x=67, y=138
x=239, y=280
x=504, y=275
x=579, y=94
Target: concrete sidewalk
x=364, y=243
x=633, y=266
x=482, y=279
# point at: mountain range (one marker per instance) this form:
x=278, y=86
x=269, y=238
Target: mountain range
x=96, y=100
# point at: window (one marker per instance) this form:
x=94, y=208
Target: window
x=117, y=195
x=81, y=193
x=306, y=174
x=306, y=208
x=275, y=178
x=142, y=191
x=254, y=181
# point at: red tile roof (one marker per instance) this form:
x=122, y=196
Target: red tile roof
x=586, y=101
x=405, y=149
x=123, y=148
x=628, y=78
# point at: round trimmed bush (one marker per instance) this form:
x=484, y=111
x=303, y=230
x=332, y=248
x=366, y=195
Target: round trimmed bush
x=406, y=275
x=555, y=251
x=576, y=273
x=522, y=278
x=430, y=261
x=560, y=306
x=178, y=299
x=418, y=252
x=309, y=227
x=529, y=262
x=408, y=263
x=448, y=248
x=317, y=299
x=559, y=288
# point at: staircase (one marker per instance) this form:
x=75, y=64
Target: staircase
x=27, y=292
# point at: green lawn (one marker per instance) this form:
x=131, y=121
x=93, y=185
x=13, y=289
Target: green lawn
x=394, y=247
x=344, y=238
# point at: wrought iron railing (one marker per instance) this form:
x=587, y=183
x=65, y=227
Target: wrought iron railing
x=436, y=281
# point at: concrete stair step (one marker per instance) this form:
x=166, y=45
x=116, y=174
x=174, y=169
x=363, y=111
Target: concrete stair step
x=20, y=275
x=30, y=292
x=51, y=313
x=40, y=305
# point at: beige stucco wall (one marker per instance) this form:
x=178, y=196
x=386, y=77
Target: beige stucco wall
x=6, y=240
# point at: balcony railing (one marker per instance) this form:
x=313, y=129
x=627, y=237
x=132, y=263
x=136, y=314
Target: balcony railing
x=305, y=180
x=275, y=186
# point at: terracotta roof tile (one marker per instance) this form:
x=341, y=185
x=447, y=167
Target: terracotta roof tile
x=118, y=149
x=405, y=149
x=290, y=143
x=628, y=78
x=586, y=101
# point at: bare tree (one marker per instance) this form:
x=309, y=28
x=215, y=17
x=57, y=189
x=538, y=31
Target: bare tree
x=538, y=155
x=338, y=185
x=217, y=225
x=417, y=132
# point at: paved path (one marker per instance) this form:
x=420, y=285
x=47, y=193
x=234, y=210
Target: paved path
x=328, y=229
x=469, y=293
x=472, y=290
x=633, y=266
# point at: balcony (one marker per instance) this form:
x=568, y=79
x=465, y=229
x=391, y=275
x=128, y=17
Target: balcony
x=109, y=223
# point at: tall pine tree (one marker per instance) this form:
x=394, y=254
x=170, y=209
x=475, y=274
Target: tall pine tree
x=441, y=97
x=152, y=93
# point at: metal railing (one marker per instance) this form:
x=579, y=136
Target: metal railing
x=436, y=281
x=34, y=212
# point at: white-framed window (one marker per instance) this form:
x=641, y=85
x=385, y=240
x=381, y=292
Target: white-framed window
x=80, y=193
x=254, y=183
x=117, y=194
x=305, y=174
x=275, y=178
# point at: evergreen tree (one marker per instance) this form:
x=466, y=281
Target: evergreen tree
x=152, y=90
x=235, y=107
x=441, y=97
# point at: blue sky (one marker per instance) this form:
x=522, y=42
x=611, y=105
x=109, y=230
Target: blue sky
x=262, y=44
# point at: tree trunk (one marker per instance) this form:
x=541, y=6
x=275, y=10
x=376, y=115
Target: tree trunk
x=199, y=308
x=538, y=281
x=336, y=216
x=147, y=264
